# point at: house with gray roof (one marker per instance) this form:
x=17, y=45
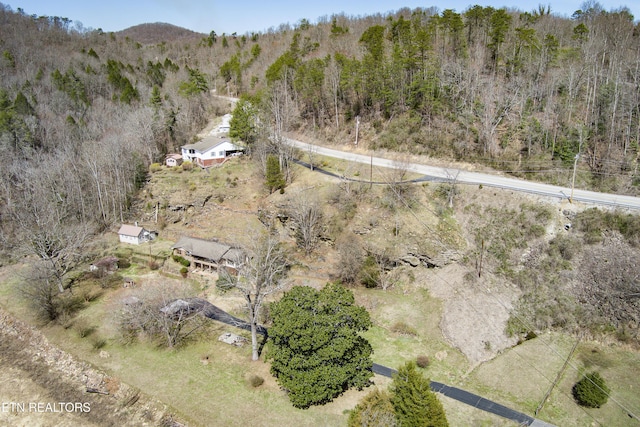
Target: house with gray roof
x=209, y=254
x=133, y=234
x=211, y=150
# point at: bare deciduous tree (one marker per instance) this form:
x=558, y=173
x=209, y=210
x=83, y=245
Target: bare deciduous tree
x=305, y=211
x=48, y=225
x=160, y=311
x=262, y=273
x=351, y=258
x=399, y=190
x=40, y=292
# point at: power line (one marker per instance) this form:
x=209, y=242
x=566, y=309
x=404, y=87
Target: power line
x=514, y=350
x=628, y=411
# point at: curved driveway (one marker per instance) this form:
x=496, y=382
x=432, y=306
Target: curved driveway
x=213, y=312
x=466, y=177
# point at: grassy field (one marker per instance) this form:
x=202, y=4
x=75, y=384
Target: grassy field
x=206, y=382
x=524, y=374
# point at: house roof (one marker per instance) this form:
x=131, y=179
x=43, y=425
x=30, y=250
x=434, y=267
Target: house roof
x=174, y=156
x=208, y=249
x=208, y=143
x=130, y=230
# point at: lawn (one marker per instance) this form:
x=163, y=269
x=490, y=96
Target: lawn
x=523, y=375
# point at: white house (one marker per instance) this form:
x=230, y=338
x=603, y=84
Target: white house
x=210, y=151
x=133, y=234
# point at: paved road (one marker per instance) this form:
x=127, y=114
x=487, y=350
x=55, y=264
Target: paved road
x=462, y=176
x=439, y=173
x=212, y=312
x=472, y=400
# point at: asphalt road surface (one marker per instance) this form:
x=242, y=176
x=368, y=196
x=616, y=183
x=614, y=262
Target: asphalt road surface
x=471, y=399
x=466, y=177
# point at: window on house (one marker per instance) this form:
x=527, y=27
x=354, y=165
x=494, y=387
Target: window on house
x=222, y=154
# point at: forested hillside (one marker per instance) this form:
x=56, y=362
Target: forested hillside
x=84, y=113
x=522, y=91
x=454, y=275
x=82, y=116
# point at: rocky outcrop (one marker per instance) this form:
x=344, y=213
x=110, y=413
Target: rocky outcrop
x=442, y=259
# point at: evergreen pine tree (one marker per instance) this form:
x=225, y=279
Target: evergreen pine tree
x=591, y=391
x=414, y=402
x=316, y=350
x=274, y=178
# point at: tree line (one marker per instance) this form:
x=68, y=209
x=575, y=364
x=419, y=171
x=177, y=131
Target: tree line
x=527, y=92
x=82, y=116
x=84, y=113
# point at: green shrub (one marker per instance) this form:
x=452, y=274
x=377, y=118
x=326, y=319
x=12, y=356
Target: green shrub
x=591, y=391
x=155, y=167
x=84, y=329
x=98, y=343
x=89, y=295
x=181, y=260
x=375, y=409
x=124, y=263
x=70, y=303
x=593, y=222
x=184, y=271
x=567, y=247
x=370, y=273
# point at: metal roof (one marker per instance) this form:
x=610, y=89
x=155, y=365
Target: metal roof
x=130, y=230
x=208, y=249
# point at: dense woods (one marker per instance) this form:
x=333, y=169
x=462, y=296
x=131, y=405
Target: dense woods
x=525, y=92
x=84, y=113
x=82, y=116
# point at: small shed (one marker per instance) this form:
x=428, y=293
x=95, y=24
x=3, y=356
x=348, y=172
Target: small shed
x=133, y=234
x=104, y=266
x=173, y=160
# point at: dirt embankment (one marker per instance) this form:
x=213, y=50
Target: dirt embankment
x=45, y=386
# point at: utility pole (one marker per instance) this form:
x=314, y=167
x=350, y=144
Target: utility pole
x=357, y=128
x=575, y=166
x=564, y=367
x=573, y=178
x=371, y=171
